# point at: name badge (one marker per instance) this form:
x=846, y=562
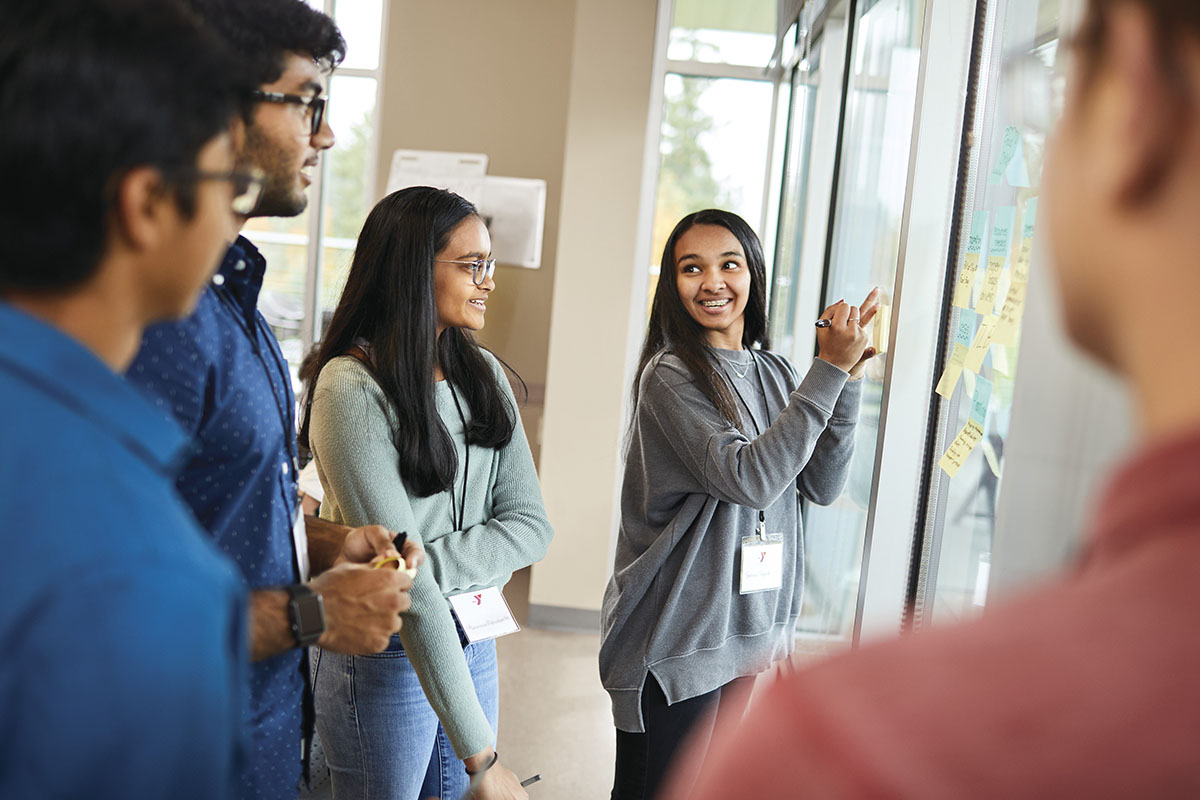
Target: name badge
x=300, y=544
x=762, y=563
x=483, y=614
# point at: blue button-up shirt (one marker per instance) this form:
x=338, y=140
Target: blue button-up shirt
x=221, y=375
x=123, y=629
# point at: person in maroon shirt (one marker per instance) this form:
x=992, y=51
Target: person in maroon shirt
x=1088, y=686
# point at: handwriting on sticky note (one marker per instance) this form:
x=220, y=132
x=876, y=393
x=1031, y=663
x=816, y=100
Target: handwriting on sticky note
x=976, y=239
x=954, y=368
x=979, y=348
x=1010, y=315
x=981, y=396
x=1008, y=149
x=956, y=454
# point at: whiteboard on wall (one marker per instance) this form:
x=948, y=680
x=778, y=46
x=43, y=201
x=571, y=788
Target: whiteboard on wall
x=514, y=209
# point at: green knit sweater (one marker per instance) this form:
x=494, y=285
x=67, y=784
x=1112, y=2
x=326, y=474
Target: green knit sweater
x=505, y=525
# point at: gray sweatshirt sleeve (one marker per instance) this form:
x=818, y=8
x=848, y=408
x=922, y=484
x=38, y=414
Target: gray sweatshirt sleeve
x=730, y=466
x=824, y=476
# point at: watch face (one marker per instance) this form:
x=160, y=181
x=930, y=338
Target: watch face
x=310, y=615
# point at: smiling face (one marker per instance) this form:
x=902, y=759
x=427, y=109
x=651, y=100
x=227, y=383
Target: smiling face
x=280, y=141
x=713, y=281
x=460, y=303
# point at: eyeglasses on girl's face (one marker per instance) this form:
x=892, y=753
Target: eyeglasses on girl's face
x=481, y=268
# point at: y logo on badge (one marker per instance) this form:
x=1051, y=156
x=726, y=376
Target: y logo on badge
x=478, y=599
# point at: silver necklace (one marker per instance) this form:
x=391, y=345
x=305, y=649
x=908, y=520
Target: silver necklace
x=734, y=365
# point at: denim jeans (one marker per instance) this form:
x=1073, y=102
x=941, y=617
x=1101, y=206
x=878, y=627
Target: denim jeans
x=382, y=739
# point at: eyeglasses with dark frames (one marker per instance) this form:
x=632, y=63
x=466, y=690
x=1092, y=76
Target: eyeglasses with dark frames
x=247, y=185
x=314, y=105
x=481, y=268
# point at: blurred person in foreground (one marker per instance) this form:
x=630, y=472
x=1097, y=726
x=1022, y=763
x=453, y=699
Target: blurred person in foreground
x=123, y=628
x=1087, y=686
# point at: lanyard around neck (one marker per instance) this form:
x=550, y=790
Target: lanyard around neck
x=462, y=507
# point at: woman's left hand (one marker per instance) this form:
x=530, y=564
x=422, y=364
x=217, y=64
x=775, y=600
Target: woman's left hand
x=866, y=313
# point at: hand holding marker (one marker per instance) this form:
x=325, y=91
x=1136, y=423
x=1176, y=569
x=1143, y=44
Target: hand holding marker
x=398, y=543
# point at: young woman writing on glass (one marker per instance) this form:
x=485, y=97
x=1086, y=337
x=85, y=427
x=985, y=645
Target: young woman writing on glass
x=709, y=561
x=414, y=426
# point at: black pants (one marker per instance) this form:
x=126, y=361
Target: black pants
x=644, y=759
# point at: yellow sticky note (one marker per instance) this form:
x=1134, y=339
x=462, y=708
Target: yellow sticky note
x=956, y=454
x=989, y=455
x=882, y=326
x=966, y=280
x=1010, y=315
x=954, y=368
x=979, y=347
x=991, y=280
x=1021, y=266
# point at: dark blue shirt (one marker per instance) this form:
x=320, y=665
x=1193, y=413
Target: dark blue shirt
x=123, y=629
x=220, y=374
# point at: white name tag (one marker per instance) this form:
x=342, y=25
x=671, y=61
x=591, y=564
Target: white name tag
x=300, y=544
x=483, y=614
x=762, y=563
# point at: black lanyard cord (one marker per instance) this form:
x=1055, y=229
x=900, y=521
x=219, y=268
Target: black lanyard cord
x=462, y=508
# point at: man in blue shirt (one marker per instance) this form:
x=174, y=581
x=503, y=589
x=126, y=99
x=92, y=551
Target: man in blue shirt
x=122, y=627
x=221, y=375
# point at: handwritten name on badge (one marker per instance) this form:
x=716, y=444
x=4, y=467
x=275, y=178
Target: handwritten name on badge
x=484, y=614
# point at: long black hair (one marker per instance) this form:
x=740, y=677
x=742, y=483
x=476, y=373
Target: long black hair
x=672, y=327
x=389, y=302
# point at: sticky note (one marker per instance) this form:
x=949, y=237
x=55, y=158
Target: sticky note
x=976, y=239
x=1017, y=173
x=964, y=329
x=954, y=368
x=979, y=347
x=882, y=325
x=1000, y=360
x=1030, y=218
x=1008, y=149
x=969, y=383
x=981, y=396
x=956, y=454
x=997, y=257
x=1010, y=315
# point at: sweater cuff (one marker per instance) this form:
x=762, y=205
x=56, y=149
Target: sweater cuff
x=823, y=385
x=848, y=401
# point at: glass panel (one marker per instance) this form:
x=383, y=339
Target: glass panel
x=805, y=79
x=870, y=199
x=1005, y=173
x=720, y=32
x=713, y=151
x=348, y=184
x=360, y=22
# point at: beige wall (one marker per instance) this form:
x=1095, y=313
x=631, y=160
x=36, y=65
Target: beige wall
x=489, y=76
x=557, y=90
x=597, y=246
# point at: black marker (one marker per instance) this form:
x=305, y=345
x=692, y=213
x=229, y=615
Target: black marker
x=531, y=781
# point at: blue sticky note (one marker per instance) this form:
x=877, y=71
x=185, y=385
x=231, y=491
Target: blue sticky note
x=1002, y=231
x=977, y=238
x=965, y=328
x=1017, y=173
x=1030, y=218
x=1008, y=149
x=983, y=396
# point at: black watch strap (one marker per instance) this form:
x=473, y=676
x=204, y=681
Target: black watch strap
x=306, y=614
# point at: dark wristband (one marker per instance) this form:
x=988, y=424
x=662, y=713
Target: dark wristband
x=492, y=763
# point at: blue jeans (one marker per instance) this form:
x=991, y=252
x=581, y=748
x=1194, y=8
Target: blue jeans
x=382, y=739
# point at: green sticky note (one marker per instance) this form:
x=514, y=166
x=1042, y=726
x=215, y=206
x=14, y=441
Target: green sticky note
x=977, y=238
x=1030, y=218
x=983, y=396
x=965, y=328
x=1002, y=232
x=1008, y=149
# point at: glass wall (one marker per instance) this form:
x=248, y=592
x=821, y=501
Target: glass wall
x=1015, y=103
x=863, y=252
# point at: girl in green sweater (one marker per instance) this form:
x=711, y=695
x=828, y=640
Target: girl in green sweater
x=415, y=427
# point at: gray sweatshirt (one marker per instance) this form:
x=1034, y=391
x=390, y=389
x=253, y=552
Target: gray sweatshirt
x=692, y=489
